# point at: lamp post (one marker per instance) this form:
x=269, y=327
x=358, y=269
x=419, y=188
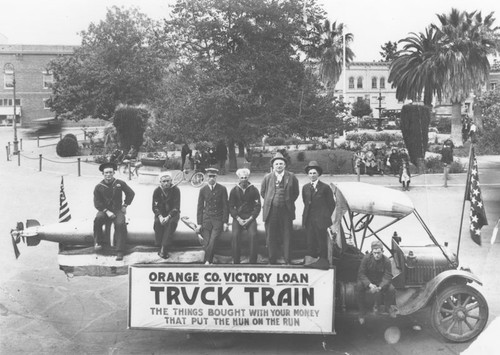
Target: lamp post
x=9, y=70
x=379, y=108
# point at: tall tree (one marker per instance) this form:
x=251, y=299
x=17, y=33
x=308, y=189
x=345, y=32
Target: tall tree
x=413, y=71
x=121, y=60
x=462, y=58
x=327, y=50
x=239, y=71
x=389, y=51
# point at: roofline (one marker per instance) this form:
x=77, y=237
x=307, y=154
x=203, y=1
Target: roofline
x=36, y=49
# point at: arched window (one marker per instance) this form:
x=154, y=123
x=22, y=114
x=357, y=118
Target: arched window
x=360, y=83
x=382, y=83
x=351, y=82
x=374, y=83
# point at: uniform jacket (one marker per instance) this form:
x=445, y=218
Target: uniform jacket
x=318, y=205
x=167, y=202
x=375, y=272
x=244, y=203
x=110, y=196
x=213, y=204
x=268, y=188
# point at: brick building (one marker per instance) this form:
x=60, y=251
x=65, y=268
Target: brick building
x=28, y=65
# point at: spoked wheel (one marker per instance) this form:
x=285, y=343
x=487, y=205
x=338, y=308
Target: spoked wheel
x=177, y=178
x=459, y=313
x=197, y=179
x=216, y=340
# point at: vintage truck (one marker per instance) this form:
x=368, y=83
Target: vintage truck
x=215, y=301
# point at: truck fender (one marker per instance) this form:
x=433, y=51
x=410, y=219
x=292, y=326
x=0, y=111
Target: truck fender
x=414, y=299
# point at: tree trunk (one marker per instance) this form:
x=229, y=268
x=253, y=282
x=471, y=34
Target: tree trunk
x=241, y=149
x=456, y=124
x=233, y=166
x=478, y=116
x=332, y=141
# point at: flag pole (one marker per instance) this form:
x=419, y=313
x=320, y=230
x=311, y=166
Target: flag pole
x=467, y=183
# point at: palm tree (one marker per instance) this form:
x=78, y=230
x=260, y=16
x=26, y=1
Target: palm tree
x=413, y=71
x=461, y=60
x=328, y=51
x=449, y=60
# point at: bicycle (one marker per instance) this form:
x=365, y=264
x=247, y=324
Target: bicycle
x=195, y=178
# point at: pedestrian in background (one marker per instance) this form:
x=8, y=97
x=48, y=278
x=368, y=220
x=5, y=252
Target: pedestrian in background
x=279, y=189
x=404, y=175
x=185, y=152
x=221, y=155
x=244, y=207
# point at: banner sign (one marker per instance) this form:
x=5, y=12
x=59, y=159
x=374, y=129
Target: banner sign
x=230, y=298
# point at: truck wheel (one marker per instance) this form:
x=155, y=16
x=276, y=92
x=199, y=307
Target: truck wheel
x=215, y=340
x=459, y=313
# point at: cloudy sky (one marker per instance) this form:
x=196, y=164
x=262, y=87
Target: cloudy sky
x=373, y=22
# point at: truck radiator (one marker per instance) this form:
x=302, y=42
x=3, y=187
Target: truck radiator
x=423, y=273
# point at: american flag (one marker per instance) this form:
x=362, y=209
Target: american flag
x=473, y=194
x=64, y=214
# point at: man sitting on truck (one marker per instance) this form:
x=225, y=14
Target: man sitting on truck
x=374, y=277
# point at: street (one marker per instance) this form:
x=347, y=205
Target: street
x=44, y=311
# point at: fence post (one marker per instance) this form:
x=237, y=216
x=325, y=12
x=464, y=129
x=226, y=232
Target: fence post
x=38, y=141
x=7, y=151
x=18, y=159
x=79, y=167
x=8, y=143
x=21, y=144
x=40, y=164
x=445, y=173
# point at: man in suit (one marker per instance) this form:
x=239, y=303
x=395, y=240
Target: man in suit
x=279, y=189
x=318, y=209
x=213, y=213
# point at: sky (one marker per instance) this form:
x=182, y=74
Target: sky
x=372, y=22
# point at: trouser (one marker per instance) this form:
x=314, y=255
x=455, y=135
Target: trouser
x=387, y=296
x=164, y=232
x=211, y=229
x=317, y=241
x=120, y=235
x=279, y=225
x=237, y=229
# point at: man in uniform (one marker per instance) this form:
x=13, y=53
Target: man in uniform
x=244, y=207
x=213, y=213
x=318, y=209
x=375, y=277
x=108, y=200
x=279, y=189
x=166, y=207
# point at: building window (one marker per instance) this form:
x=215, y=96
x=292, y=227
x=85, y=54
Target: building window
x=493, y=86
x=382, y=83
x=351, y=83
x=8, y=80
x=46, y=104
x=8, y=102
x=374, y=83
x=47, y=79
x=360, y=83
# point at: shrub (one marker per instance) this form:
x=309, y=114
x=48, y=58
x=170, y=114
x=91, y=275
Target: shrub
x=301, y=156
x=130, y=123
x=100, y=159
x=488, y=141
x=172, y=164
x=434, y=165
x=70, y=136
x=67, y=147
x=275, y=141
x=292, y=141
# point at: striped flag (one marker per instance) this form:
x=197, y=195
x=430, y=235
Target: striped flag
x=473, y=194
x=64, y=214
